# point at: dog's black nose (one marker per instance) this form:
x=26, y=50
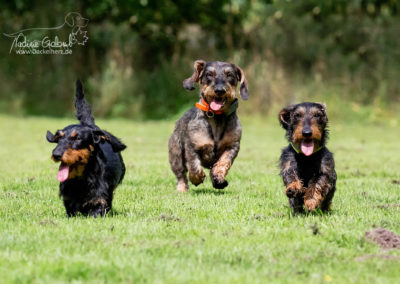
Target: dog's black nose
x=220, y=90
x=57, y=154
x=307, y=132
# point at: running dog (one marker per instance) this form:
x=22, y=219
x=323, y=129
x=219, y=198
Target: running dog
x=307, y=166
x=208, y=135
x=91, y=163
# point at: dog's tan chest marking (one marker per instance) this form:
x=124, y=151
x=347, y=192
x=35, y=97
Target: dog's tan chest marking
x=76, y=171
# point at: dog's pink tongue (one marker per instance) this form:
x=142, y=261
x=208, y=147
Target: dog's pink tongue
x=307, y=148
x=63, y=173
x=215, y=106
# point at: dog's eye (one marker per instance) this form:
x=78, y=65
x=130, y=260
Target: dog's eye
x=230, y=74
x=297, y=115
x=209, y=74
x=317, y=115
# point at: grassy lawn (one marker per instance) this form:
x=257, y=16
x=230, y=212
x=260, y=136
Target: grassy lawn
x=244, y=233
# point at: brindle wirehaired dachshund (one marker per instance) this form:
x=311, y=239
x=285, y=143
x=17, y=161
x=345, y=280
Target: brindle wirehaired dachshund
x=307, y=166
x=91, y=162
x=209, y=134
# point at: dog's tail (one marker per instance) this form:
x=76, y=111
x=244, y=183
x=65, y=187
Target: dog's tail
x=83, y=111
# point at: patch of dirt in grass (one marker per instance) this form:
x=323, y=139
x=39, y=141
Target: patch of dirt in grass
x=208, y=191
x=384, y=238
x=387, y=206
x=167, y=218
x=179, y=244
x=315, y=229
x=357, y=173
x=279, y=215
x=259, y=217
x=47, y=223
x=396, y=181
x=382, y=256
x=10, y=194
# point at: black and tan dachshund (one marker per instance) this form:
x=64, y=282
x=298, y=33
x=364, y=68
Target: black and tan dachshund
x=91, y=162
x=307, y=166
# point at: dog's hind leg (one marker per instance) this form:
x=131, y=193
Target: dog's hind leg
x=177, y=161
x=196, y=173
x=96, y=207
x=326, y=203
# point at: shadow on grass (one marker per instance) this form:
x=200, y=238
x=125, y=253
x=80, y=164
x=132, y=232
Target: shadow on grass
x=213, y=191
x=114, y=212
x=109, y=214
x=317, y=212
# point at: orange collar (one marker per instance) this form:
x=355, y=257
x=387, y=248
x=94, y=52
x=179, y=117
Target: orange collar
x=204, y=106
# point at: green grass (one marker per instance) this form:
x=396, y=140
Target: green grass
x=244, y=233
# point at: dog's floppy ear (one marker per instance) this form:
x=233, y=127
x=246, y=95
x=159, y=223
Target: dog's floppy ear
x=244, y=92
x=51, y=138
x=99, y=136
x=284, y=116
x=102, y=135
x=69, y=19
x=199, y=65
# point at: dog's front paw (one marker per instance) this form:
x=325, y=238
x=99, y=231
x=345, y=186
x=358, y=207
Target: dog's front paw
x=293, y=192
x=293, y=189
x=197, y=178
x=290, y=192
x=218, y=184
x=311, y=204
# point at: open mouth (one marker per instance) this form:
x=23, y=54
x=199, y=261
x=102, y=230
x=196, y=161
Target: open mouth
x=63, y=172
x=307, y=147
x=217, y=104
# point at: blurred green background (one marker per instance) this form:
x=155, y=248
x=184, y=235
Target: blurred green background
x=343, y=52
